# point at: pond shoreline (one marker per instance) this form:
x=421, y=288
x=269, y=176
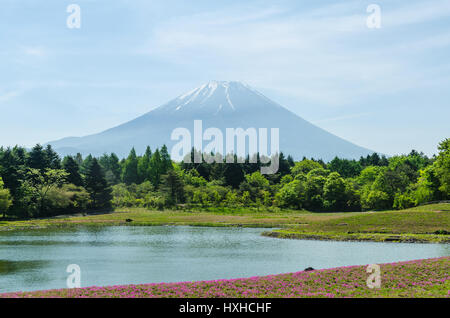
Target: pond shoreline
x=417, y=225
x=360, y=237
x=280, y=233
x=117, y=255
x=399, y=280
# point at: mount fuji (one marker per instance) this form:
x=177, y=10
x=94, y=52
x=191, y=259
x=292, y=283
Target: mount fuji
x=221, y=105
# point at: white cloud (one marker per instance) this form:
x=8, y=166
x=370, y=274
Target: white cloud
x=324, y=55
x=5, y=97
x=413, y=13
x=36, y=51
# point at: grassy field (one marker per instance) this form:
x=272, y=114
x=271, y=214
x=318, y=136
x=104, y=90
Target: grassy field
x=422, y=278
x=420, y=224
x=142, y=217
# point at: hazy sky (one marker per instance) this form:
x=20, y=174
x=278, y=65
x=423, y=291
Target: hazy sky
x=386, y=89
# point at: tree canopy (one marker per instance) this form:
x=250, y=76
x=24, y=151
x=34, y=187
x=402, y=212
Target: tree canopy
x=38, y=182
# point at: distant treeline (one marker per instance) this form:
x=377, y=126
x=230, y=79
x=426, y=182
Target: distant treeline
x=38, y=183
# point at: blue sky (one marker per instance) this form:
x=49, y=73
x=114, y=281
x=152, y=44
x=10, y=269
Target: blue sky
x=385, y=89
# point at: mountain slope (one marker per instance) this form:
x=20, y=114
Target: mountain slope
x=221, y=105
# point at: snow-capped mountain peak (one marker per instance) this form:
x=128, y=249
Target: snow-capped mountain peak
x=215, y=97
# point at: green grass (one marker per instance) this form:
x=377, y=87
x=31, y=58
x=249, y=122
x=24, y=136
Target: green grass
x=143, y=217
x=412, y=225
x=372, y=237
x=418, y=224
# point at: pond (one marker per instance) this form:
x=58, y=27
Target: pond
x=37, y=259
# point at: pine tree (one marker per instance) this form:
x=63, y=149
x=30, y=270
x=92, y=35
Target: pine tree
x=290, y=161
x=173, y=186
x=130, y=169
x=79, y=159
x=114, y=167
x=73, y=169
x=37, y=158
x=86, y=164
x=96, y=185
x=20, y=155
x=166, y=162
x=104, y=162
x=155, y=170
x=233, y=175
x=52, y=159
x=284, y=165
x=12, y=170
x=144, y=166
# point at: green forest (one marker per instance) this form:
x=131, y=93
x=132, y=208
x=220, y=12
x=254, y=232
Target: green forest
x=38, y=183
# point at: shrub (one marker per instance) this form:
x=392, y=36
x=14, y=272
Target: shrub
x=375, y=200
x=403, y=201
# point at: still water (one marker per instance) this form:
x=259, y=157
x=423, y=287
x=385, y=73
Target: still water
x=37, y=259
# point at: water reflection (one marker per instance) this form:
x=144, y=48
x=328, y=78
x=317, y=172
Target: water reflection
x=8, y=267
